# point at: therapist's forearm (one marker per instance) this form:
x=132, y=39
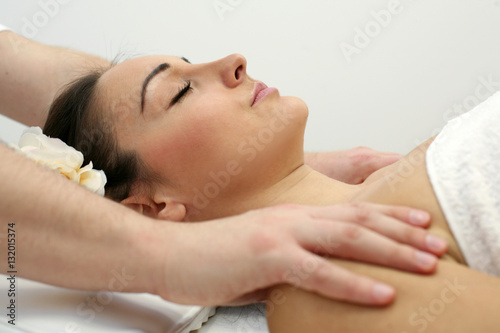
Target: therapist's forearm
x=69, y=237
x=31, y=74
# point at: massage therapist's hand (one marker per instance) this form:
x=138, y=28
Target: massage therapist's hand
x=234, y=260
x=350, y=166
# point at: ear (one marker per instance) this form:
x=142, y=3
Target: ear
x=136, y=203
x=172, y=211
x=161, y=208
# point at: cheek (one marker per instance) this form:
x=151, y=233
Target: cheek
x=186, y=151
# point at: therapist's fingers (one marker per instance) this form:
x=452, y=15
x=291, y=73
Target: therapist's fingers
x=357, y=211
x=333, y=281
x=387, y=220
x=351, y=241
x=409, y=215
x=405, y=233
x=364, y=161
x=381, y=160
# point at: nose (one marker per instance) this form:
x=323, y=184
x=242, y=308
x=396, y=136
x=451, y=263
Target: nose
x=233, y=70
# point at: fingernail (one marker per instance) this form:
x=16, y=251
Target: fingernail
x=382, y=292
x=419, y=217
x=425, y=260
x=435, y=243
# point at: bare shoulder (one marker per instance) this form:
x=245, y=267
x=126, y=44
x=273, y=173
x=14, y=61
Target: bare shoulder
x=407, y=183
x=447, y=301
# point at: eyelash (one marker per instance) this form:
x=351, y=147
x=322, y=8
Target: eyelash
x=182, y=93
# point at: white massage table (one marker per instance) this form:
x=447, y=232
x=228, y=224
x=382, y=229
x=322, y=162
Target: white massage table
x=43, y=308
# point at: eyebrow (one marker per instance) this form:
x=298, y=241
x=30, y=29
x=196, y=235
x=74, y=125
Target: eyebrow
x=158, y=69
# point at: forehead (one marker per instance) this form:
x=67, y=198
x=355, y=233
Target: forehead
x=120, y=87
x=129, y=75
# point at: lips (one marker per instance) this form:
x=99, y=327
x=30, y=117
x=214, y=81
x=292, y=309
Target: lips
x=260, y=91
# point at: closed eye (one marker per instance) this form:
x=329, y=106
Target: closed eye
x=181, y=94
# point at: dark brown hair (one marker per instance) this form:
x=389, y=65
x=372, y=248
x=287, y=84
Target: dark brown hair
x=77, y=117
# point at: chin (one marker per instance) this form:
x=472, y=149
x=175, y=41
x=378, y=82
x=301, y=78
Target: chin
x=293, y=113
x=295, y=102
x=296, y=109
x=296, y=106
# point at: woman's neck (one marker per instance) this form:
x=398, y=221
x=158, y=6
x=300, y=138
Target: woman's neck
x=306, y=186
x=303, y=186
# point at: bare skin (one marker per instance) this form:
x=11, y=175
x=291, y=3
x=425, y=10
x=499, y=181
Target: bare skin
x=32, y=74
x=446, y=301
x=61, y=244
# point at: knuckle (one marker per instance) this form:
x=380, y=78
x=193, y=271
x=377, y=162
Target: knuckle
x=363, y=214
x=362, y=155
x=352, y=232
x=264, y=243
x=322, y=274
x=398, y=255
x=359, y=205
x=351, y=286
x=361, y=150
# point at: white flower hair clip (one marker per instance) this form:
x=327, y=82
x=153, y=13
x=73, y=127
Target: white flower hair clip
x=57, y=155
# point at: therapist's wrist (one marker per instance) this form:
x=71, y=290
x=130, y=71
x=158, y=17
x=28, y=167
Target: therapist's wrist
x=160, y=250
x=141, y=250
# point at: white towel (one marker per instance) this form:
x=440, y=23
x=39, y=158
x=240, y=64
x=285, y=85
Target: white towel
x=463, y=164
x=241, y=319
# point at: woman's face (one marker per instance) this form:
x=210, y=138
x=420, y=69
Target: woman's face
x=196, y=125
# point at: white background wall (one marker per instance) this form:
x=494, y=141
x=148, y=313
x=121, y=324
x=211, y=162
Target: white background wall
x=424, y=64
